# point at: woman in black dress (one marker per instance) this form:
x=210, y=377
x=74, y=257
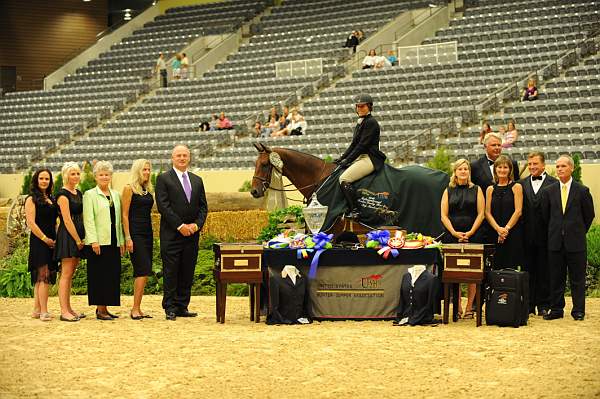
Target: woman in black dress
x=41, y=214
x=463, y=211
x=69, y=237
x=137, y=204
x=104, y=233
x=504, y=204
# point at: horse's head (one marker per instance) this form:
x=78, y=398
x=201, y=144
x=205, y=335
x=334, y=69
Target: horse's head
x=263, y=169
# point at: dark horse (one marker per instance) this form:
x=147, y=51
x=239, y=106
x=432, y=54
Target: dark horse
x=411, y=195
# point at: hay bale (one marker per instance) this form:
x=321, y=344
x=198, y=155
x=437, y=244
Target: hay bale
x=228, y=225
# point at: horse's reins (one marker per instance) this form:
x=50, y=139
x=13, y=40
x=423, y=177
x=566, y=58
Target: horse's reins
x=266, y=182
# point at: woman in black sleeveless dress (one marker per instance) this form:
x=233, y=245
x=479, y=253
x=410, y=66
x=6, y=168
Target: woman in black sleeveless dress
x=137, y=223
x=504, y=204
x=41, y=213
x=69, y=237
x=462, y=211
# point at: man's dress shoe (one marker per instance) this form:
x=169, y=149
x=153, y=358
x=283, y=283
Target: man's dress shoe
x=171, y=316
x=578, y=316
x=553, y=315
x=186, y=313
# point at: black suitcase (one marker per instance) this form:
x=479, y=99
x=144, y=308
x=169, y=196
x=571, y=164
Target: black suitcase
x=508, y=298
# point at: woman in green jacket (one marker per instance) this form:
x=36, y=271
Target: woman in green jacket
x=104, y=233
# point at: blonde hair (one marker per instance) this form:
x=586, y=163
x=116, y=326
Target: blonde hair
x=135, y=177
x=490, y=136
x=103, y=166
x=454, y=178
x=67, y=167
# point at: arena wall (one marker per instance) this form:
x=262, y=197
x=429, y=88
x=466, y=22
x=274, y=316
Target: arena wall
x=38, y=36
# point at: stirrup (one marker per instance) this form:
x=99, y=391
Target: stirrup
x=353, y=214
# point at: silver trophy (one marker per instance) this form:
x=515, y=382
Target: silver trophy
x=314, y=214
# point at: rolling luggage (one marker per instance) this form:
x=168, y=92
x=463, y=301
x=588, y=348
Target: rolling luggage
x=507, y=301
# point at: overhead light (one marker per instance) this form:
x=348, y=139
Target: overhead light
x=154, y=2
x=86, y=1
x=433, y=5
x=127, y=16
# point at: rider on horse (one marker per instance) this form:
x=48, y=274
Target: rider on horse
x=363, y=155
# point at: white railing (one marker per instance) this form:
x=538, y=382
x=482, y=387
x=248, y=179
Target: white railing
x=428, y=54
x=298, y=68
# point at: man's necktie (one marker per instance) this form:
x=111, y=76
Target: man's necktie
x=534, y=178
x=563, y=196
x=490, y=162
x=186, y=187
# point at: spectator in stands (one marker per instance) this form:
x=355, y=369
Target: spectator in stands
x=286, y=117
x=462, y=211
x=361, y=36
x=392, y=58
x=511, y=135
x=274, y=125
x=296, y=127
x=104, y=233
x=214, y=122
x=485, y=129
x=204, y=126
x=41, y=214
x=531, y=92
x=503, y=209
x=224, y=123
x=381, y=62
x=161, y=67
x=273, y=114
x=69, y=237
x=502, y=133
x=185, y=65
x=137, y=204
x=176, y=65
x=352, y=41
x=259, y=130
x=370, y=60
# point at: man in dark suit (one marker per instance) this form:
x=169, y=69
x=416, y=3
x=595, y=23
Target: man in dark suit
x=568, y=211
x=536, y=254
x=181, y=201
x=482, y=174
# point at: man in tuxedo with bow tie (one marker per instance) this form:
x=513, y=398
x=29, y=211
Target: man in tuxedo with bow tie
x=181, y=202
x=482, y=174
x=536, y=255
x=568, y=211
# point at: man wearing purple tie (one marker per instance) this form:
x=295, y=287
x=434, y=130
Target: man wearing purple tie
x=181, y=202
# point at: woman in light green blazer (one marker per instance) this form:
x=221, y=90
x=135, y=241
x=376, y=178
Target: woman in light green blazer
x=104, y=233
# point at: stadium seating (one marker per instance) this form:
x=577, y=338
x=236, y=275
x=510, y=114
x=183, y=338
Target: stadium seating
x=243, y=86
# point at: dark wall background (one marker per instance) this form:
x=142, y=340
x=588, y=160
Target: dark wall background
x=38, y=36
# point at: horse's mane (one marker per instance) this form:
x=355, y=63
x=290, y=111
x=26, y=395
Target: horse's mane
x=299, y=152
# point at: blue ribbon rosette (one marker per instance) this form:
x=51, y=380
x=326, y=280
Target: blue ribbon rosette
x=321, y=242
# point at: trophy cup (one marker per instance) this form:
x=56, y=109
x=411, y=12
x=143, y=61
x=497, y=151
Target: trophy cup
x=314, y=214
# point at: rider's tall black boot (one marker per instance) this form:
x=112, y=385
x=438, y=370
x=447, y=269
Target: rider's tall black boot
x=350, y=195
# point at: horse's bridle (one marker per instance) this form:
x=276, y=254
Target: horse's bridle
x=266, y=181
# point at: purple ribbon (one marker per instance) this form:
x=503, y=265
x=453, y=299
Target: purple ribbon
x=321, y=240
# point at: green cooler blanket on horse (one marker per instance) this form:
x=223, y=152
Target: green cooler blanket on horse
x=408, y=197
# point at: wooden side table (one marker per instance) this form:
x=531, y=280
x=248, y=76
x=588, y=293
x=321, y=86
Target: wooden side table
x=463, y=263
x=238, y=263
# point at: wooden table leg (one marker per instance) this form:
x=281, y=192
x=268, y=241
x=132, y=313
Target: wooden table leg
x=446, y=303
x=257, y=302
x=478, y=303
x=251, y=296
x=455, y=294
x=223, y=301
x=218, y=301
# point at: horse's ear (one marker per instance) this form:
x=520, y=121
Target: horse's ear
x=259, y=147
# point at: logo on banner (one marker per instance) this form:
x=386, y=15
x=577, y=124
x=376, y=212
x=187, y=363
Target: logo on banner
x=378, y=204
x=371, y=282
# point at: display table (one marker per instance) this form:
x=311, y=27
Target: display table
x=354, y=283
